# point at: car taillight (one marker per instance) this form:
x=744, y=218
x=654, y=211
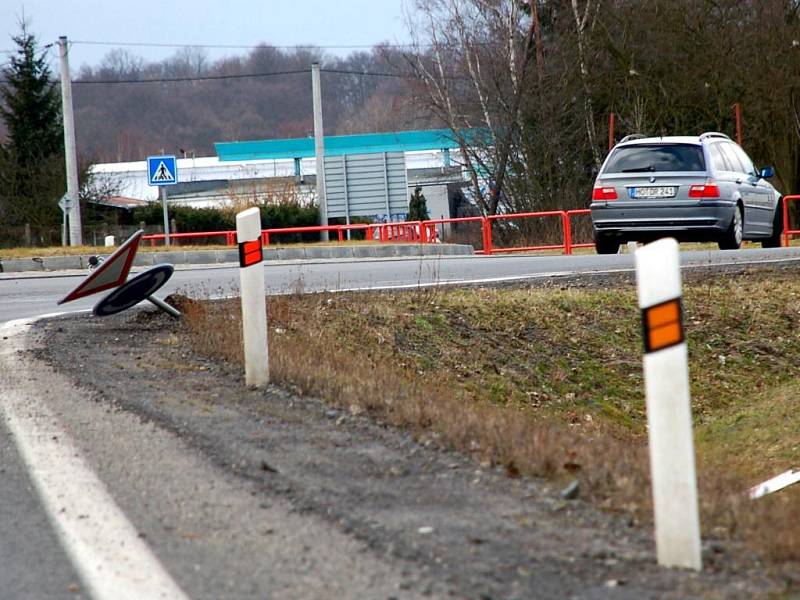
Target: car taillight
x=707, y=190
x=602, y=192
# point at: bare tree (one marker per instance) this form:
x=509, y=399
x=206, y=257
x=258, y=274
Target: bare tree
x=585, y=19
x=473, y=64
x=187, y=62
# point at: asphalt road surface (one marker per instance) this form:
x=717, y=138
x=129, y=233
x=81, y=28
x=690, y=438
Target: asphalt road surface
x=47, y=538
x=32, y=295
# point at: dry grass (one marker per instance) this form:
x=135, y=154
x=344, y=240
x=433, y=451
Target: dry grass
x=549, y=382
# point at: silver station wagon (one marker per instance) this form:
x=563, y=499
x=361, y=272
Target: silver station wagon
x=693, y=188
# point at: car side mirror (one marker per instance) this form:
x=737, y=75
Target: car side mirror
x=767, y=172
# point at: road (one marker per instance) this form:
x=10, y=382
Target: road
x=31, y=530
x=26, y=296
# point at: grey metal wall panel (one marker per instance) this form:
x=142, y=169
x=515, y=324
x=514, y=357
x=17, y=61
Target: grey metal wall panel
x=361, y=184
x=334, y=186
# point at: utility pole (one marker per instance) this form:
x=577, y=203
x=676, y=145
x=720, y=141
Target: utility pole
x=70, y=154
x=319, y=148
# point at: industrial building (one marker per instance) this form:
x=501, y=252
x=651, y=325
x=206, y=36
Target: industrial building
x=368, y=176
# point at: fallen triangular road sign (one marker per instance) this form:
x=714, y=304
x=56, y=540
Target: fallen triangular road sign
x=112, y=273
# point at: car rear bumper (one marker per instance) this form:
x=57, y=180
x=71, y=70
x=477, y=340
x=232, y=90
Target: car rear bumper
x=629, y=221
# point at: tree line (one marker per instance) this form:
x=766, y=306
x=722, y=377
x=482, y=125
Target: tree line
x=539, y=80
x=126, y=109
x=533, y=82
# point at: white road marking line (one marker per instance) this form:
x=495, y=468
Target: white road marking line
x=105, y=548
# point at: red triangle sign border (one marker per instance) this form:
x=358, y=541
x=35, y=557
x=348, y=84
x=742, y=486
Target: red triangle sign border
x=126, y=252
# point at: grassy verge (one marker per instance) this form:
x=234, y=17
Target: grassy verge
x=549, y=382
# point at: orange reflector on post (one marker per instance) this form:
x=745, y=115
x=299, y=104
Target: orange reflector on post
x=663, y=325
x=250, y=253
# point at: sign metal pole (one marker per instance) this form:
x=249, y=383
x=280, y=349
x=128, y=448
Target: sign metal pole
x=166, y=214
x=162, y=170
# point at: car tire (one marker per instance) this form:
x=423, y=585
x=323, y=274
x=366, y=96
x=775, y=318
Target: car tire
x=775, y=241
x=732, y=238
x=606, y=245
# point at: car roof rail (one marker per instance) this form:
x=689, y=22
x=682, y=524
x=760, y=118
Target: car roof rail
x=633, y=136
x=714, y=134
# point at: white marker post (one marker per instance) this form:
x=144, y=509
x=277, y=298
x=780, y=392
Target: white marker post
x=254, y=303
x=669, y=417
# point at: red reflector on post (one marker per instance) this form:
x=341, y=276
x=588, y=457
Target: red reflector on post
x=250, y=253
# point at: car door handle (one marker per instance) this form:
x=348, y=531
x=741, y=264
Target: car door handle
x=738, y=182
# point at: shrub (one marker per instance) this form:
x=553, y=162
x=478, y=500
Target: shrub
x=418, y=207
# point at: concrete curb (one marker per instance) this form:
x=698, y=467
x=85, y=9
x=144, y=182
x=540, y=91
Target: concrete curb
x=208, y=257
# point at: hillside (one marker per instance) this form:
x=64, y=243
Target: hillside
x=264, y=94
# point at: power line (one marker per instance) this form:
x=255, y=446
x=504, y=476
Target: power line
x=238, y=76
x=226, y=77
x=364, y=73
x=189, y=79
x=245, y=47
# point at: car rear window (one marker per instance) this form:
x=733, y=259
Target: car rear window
x=656, y=158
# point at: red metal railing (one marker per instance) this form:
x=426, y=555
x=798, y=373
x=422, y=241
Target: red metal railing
x=230, y=236
x=407, y=231
x=427, y=232
x=431, y=231
x=568, y=230
x=269, y=234
x=419, y=232
x=560, y=214
x=787, y=231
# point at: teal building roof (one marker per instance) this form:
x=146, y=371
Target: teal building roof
x=338, y=145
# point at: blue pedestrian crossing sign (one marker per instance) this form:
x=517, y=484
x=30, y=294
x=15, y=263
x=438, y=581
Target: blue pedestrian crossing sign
x=162, y=170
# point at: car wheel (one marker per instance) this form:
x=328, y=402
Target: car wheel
x=774, y=241
x=606, y=245
x=732, y=238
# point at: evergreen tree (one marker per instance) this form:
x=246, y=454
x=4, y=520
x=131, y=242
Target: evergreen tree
x=418, y=207
x=32, y=177
x=31, y=104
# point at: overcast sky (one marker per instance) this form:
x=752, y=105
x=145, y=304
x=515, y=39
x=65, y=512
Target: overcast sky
x=325, y=23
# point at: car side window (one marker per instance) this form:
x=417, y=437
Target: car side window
x=717, y=159
x=730, y=156
x=748, y=165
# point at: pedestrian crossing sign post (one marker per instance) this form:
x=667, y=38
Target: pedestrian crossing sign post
x=163, y=171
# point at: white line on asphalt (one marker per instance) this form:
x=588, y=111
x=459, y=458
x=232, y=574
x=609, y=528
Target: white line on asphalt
x=105, y=548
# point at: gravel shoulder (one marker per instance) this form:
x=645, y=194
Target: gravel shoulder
x=248, y=493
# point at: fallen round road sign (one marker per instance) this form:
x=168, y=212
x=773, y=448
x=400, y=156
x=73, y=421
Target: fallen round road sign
x=133, y=291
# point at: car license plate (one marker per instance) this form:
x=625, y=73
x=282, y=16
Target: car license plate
x=653, y=191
